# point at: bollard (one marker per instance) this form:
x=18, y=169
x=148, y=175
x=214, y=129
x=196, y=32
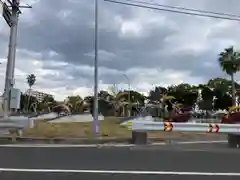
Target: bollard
x=233, y=141
x=139, y=137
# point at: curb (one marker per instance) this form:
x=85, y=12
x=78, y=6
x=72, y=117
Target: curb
x=42, y=140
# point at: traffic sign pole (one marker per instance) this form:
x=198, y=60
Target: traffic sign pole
x=7, y=14
x=9, y=78
x=12, y=21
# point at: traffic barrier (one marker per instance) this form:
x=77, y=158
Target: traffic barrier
x=144, y=126
x=15, y=124
x=10, y=126
x=141, y=127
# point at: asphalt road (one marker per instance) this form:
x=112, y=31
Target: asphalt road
x=59, y=176
x=171, y=162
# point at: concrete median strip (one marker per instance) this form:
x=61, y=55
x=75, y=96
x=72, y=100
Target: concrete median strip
x=36, y=140
x=112, y=132
x=103, y=145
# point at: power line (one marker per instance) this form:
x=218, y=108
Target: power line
x=173, y=11
x=183, y=8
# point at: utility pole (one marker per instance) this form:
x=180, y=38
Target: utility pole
x=11, y=12
x=95, y=120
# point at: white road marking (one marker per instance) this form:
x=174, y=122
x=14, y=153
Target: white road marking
x=201, y=142
x=120, y=172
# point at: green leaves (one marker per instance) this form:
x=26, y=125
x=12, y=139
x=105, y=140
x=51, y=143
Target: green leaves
x=229, y=60
x=31, y=80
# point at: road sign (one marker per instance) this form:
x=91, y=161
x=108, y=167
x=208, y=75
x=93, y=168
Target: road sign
x=168, y=126
x=213, y=128
x=129, y=124
x=7, y=14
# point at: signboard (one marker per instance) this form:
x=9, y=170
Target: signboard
x=7, y=14
x=15, y=98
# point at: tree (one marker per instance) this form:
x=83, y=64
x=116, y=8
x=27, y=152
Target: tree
x=122, y=104
x=105, y=103
x=46, y=104
x=90, y=102
x=207, y=94
x=184, y=93
x=49, y=99
x=114, y=90
x=136, y=100
x=31, y=80
x=104, y=95
x=25, y=100
x=155, y=97
x=222, y=101
x=157, y=94
x=229, y=61
x=76, y=103
x=220, y=83
x=221, y=89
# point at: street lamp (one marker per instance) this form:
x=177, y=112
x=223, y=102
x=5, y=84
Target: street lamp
x=95, y=116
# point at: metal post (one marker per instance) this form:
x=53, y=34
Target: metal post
x=9, y=78
x=96, y=123
x=129, y=92
x=129, y=99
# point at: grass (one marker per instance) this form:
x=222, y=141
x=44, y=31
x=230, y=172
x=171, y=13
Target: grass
x=109, y=128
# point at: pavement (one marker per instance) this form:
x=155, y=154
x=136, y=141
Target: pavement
x=53, y=117
x=74, y=118
x=208, y=161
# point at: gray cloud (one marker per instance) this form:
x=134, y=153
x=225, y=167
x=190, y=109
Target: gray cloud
x=64, y=32
x=74, y=41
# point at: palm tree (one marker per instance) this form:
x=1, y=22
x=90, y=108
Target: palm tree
x=76, y=103
x=157, y=94
x=31, y=80
x=156, y=101
x=229, y=61
x=122, y=101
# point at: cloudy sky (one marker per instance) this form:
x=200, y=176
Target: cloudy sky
x=56, y=43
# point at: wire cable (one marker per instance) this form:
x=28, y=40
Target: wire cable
x=173, y=11
x=183, y=8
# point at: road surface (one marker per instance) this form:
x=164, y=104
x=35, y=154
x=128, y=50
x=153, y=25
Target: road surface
x=171, y=162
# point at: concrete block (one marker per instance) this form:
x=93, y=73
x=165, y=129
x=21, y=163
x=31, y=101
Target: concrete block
x=139, y=137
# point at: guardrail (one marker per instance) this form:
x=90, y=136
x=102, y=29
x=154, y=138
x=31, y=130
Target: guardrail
x=144, y=126
x=10, y=126
x=15, y=124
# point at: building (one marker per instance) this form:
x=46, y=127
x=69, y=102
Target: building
x=38, y=95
